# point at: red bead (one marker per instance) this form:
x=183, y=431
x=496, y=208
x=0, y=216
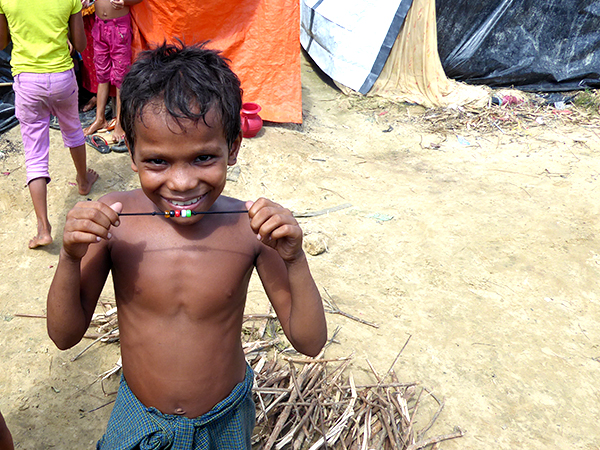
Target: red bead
x=177, y=213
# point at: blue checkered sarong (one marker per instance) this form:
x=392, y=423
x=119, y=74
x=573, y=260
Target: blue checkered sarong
x=228, y=425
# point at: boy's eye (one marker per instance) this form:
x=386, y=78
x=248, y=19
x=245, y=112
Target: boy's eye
x=155, y=161
x=204, y=158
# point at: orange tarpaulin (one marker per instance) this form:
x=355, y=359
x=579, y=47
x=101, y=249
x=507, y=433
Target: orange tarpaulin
x=260, y=37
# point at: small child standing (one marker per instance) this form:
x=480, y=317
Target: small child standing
x=181, y=277
x=45, y=84
x=112, y=58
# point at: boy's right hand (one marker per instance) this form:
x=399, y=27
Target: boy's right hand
x=87, y=223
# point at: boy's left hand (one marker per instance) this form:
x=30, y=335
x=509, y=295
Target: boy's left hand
x=276, y=227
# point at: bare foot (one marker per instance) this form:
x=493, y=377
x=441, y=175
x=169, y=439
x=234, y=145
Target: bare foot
x=118, y=134
x=91, y=104
x=95, y=126
x=42, y=239
x=86, y=186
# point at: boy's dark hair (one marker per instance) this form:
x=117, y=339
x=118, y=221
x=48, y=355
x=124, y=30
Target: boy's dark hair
x=189, y=81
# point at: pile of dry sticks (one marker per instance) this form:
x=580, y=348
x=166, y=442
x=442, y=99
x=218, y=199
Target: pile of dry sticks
x=527, y=111
x=313, y=403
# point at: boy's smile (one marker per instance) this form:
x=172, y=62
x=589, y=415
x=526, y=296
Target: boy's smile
x=182, y=166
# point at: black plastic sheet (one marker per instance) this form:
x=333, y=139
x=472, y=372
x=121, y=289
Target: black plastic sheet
x=541, y=46
x=7, y=95
x=5, y=73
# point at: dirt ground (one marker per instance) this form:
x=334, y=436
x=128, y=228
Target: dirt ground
x=481, y=245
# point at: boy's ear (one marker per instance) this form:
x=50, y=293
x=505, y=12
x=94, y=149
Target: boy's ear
x=133, y=165
x=234, y=150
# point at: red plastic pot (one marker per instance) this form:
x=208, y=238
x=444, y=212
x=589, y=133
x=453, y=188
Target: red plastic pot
x=251, y=121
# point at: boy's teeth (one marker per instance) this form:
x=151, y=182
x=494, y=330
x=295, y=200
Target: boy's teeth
x=189, y=202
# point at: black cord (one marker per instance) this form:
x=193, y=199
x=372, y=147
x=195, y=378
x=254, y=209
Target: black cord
x=172, y=213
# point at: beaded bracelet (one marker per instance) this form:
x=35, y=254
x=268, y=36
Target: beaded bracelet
x=181, y=213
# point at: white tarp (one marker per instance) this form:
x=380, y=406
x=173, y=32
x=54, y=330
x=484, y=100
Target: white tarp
x=350, y=40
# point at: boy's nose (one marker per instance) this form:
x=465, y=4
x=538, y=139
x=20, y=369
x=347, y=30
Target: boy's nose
x=182, y=179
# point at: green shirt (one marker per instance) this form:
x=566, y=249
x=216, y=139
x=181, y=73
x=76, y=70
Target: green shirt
x=38, y=29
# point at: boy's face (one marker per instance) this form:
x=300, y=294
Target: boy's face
x=182, y=168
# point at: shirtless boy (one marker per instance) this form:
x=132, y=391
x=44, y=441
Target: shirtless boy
x=112, y=57
x=181, y=282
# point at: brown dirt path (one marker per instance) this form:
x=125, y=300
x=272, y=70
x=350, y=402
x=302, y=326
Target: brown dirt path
x=483, y=247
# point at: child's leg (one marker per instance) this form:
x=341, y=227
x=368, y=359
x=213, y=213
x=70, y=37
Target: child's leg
x=85, y=177
x=36, y=142
x=63, y=103
x=31, y=108
x=37, y=189
x=91, y=104
x=6, y=442
x=121, y=56
x=118, y=134
x=101, y=102
x=102, y=65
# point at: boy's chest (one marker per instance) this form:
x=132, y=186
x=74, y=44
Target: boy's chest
x=170, y=273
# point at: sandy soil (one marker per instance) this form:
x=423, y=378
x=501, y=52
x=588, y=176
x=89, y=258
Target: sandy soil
x=482, y=247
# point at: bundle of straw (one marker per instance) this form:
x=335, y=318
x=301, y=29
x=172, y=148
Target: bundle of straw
x=313, y=404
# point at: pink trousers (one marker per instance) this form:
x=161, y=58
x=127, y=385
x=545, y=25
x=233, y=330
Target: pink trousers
x=112, y=49
x=37, y=96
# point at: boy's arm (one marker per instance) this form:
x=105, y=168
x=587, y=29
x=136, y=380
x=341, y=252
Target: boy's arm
x=284, y=272
x=77, y=32
x=4, y=32
x=81, y=272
